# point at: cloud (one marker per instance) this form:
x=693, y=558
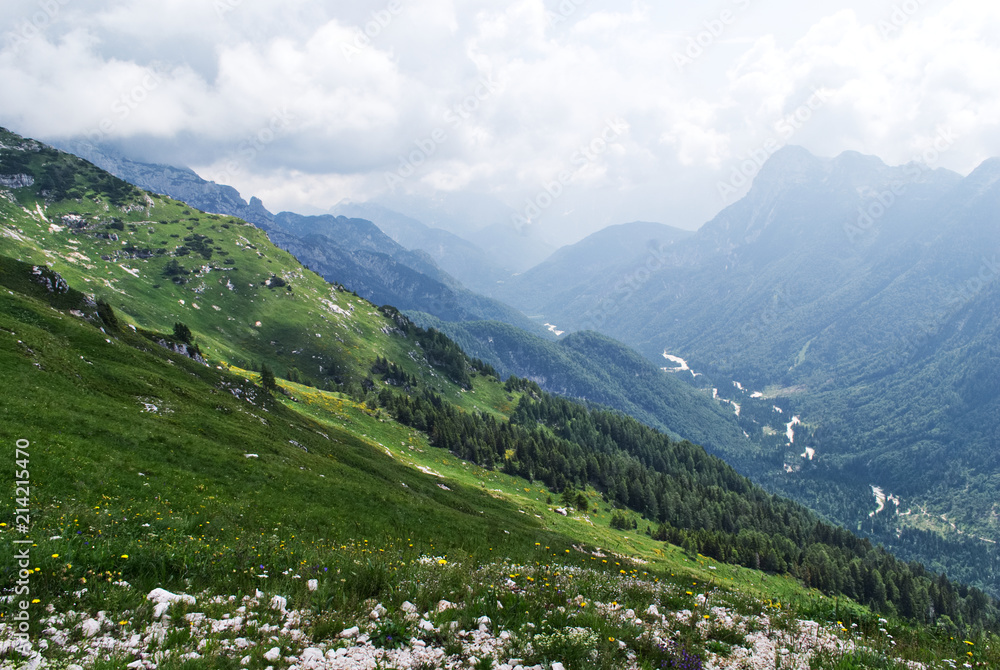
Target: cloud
x=307, y=103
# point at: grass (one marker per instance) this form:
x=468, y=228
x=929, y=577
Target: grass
x=331, y=336
x=140, y=474
x=167, y=498
x=182, y=469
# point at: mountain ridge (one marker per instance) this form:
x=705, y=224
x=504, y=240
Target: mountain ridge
x=380, y=268
x=144, y=479
x=846, y=283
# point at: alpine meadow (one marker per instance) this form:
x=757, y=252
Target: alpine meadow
x=532, y=335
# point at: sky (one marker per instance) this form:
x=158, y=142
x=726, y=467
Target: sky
x=574, y=114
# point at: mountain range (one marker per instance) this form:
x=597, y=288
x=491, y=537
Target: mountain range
x=381, y=473
x=351, y=251
x=843, y=293
x=864, y=295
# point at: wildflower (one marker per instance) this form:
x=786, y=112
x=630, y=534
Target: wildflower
x=55, y=555
x=124, y=555
x=35, y=601
x=442, y=562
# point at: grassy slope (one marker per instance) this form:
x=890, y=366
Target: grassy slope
x=597, y=369
x=103, y=466
x=329, y=335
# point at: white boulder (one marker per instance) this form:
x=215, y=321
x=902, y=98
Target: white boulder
x=163, y=596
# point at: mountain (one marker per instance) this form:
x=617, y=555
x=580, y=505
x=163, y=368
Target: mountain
x=456, y=256
x=796, y=238
x=356, y=252
x=398, y=495
x=610, y=252
x=177, y=182
x=861, y=296
x=360, y=256
x=482, y=220
x=512, y=247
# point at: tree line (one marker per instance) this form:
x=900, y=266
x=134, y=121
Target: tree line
x=688, y=497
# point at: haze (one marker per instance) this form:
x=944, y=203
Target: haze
x=572, y=115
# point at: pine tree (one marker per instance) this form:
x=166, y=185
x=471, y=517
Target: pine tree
x=267, y=380
x=182, y=333
x=107, y=315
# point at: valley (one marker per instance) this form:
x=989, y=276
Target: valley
x=212, y=418
x=545, y=335
x=873, y=338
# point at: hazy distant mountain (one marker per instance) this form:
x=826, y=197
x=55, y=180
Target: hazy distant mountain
x=455, y=255
x=775, y=270
x=569, y=272
x=352, y=252
x=480, y=219
x=514, y=248
x=863, y=295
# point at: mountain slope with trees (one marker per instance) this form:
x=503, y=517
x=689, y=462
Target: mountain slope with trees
x=862, y=295
x=103, y=234
x=362, y=257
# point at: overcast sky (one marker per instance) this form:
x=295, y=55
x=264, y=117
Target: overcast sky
x=575, y=113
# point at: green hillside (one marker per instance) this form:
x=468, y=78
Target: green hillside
x=157, y=262
x=879, y=331
x=148, y=468
x=593, y=368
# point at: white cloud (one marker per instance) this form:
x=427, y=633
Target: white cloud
x=361, y=87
